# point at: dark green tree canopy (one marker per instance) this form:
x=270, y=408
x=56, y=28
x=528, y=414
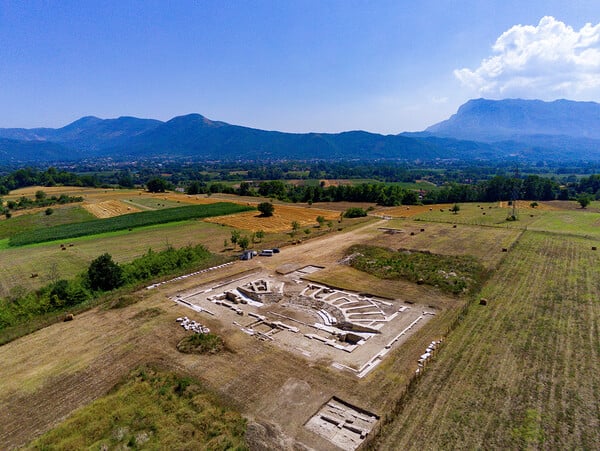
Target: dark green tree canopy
x=104, y=274
x=266, y=209
x=157, y=185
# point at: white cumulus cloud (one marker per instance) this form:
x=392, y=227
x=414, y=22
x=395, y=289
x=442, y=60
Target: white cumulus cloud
x=546, y=61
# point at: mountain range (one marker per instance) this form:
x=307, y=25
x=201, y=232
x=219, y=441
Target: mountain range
x=481, y=129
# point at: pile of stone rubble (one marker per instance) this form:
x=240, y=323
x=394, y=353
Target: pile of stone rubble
x=192, y=325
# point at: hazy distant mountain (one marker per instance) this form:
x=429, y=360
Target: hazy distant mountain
x=481, y=129
x=12, y=150
x=497, y=120
x=86, y=134
x=196, y=136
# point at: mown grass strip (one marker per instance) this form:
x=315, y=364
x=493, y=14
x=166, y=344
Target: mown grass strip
x=133, y=220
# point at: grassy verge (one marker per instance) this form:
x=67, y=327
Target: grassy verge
x=151, y=410
x=123, y=222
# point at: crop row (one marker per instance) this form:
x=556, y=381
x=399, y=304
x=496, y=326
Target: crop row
x=124, y=222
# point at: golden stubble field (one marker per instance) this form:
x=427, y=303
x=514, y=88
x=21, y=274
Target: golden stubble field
x=281, y=221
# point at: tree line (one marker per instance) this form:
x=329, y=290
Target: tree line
x=531, y=187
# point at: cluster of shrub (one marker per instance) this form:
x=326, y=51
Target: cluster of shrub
x=40, y=200
x=102, y=275
x=450, y=273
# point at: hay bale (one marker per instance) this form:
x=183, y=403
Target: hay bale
x=421, y=281
x=69, y=317
x=504, y=249
x=34, y=275
x=422, y=230
x=454, y=226
x=483, y=301
x=594, y=248
x=412, y=233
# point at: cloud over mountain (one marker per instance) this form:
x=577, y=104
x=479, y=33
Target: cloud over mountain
x=546, y=61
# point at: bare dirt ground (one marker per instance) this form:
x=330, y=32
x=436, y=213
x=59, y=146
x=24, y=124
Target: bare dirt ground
x=62, y=367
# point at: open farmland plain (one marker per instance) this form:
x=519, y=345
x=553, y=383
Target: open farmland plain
x=521, y=371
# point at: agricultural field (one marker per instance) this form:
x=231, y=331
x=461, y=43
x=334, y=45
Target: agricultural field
x=50, y=262
x=31, y=220
x=557, y=217
x=521, y=372
x=122, y=222
x=109, y=209
x=281, y=220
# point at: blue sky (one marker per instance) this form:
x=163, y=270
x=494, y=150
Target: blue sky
x=298, y=66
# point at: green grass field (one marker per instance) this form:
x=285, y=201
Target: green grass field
x=39, y=220
x=574, y=221
x=150, y=410
x=17, y=264
x=134, y=220
x=521, y=372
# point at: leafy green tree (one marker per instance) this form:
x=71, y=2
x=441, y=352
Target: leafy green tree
x=295, y=228
x=104, y=274
x=320, y=220
x=40, y=195
x=260, y=234
x=196, y=188
x=245, y=189
x=49, y=211
x=266, y=209
x=244, y=242
x=584, y=200
x=455, y=208
x=355, y=212
x=125, y=180
x=157, y=185
x=235, y=236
